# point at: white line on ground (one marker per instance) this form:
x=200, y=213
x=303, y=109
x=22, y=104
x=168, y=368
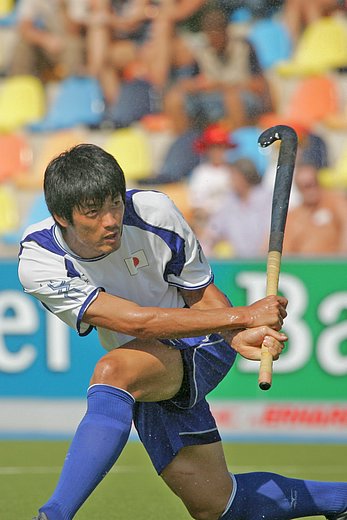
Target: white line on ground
x=45, y=470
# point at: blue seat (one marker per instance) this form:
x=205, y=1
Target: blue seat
x=246, y=140
x=271, y=40
x=79, y=102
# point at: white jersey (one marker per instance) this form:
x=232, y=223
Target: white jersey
x=159, y=254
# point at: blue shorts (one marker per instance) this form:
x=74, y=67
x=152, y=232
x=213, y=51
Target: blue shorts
x=185, y=420
x=211, y=107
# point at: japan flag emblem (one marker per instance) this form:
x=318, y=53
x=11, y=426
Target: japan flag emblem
x=136, y=261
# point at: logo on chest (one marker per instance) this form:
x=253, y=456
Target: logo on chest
x=136, y=261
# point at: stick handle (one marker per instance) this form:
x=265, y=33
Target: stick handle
x=272, y=278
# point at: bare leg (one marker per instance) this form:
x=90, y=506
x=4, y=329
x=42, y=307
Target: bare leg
x=119, y=376
x=148, y=370
x=199, y=476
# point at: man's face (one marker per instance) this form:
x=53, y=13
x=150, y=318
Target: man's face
x=95, y=231
x=307, y=182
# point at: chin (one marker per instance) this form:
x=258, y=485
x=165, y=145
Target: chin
x=110, y=248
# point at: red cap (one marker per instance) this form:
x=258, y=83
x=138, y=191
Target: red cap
x=214, y=135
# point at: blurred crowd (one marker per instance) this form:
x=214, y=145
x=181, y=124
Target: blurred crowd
x=179, y=91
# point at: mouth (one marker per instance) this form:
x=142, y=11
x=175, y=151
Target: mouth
x=111, y=237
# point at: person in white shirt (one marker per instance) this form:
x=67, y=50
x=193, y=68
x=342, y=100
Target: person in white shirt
x=242, y=220
x=127, y=264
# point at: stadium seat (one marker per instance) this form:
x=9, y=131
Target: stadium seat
x=131, y=148
x=321, y=48
x=246, y=140
x=178, y=192
x=8, y=13
x=9, y=213
x=37, y=211
x=22, y=101
x=336, y=176
x=135, y=100
x=313, y=101
x=16, y=156
x=271, y=41
x=51, y=144
x=6, y=7
x=79, y=101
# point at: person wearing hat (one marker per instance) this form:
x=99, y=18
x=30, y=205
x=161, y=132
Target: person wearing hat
x=209, y=180
x=240, y=225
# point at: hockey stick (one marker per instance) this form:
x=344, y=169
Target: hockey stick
x=280, y=202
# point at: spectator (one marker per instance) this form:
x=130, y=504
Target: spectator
x=230, y=84
x=116, y=31
x=312, y=149
x=209, y=181
x=243, y=220
x=133, y=41
x=318, y=225
x=50, y=41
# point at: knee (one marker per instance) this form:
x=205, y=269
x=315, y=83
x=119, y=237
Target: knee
x=211, y=512
x=211, y=508
x=110, y=370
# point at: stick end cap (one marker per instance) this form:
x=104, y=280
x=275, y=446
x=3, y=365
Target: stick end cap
x=264, y=386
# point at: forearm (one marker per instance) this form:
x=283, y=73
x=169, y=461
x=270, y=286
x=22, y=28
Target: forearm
x=211, y=298
x=33, y=35
x=127, y=317
x=155, y=322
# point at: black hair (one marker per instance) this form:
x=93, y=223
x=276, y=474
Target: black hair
x=80, y=177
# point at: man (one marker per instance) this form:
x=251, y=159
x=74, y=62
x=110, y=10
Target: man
x=128, y=264
x=228, y=83
x=50, y=41
x=242, y=220
x=317, y=226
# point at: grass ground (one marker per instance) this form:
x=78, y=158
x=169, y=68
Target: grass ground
x=29, y=470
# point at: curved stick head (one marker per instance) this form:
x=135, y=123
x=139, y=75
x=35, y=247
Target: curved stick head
x=278, y=133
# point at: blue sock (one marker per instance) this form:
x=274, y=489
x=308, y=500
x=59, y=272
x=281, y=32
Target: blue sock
x=97, y=444
x=267, y=496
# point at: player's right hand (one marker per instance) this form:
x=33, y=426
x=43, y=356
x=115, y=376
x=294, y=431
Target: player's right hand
x=269, y=311
x=248, y=342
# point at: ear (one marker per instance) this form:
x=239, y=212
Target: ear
x=61, y=221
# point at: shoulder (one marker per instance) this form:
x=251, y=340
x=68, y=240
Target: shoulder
x=39, y=243
x=38, y=227
x=153, y=207
x=336, y=201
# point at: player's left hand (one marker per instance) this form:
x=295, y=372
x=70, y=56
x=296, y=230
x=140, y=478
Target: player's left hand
x=248, y=342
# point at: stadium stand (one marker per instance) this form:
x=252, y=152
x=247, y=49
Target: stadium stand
x=306, y=76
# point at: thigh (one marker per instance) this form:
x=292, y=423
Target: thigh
x=199, y=476
x=147, y=369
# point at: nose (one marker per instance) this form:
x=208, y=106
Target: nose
x=110, y=219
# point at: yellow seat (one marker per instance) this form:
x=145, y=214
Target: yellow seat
x=52, y=144
x=335, y=177
x=322, y=47
x=130, y=147
x=178, y=192
x=6, y=7
x=22, y=101
x=9, y=213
